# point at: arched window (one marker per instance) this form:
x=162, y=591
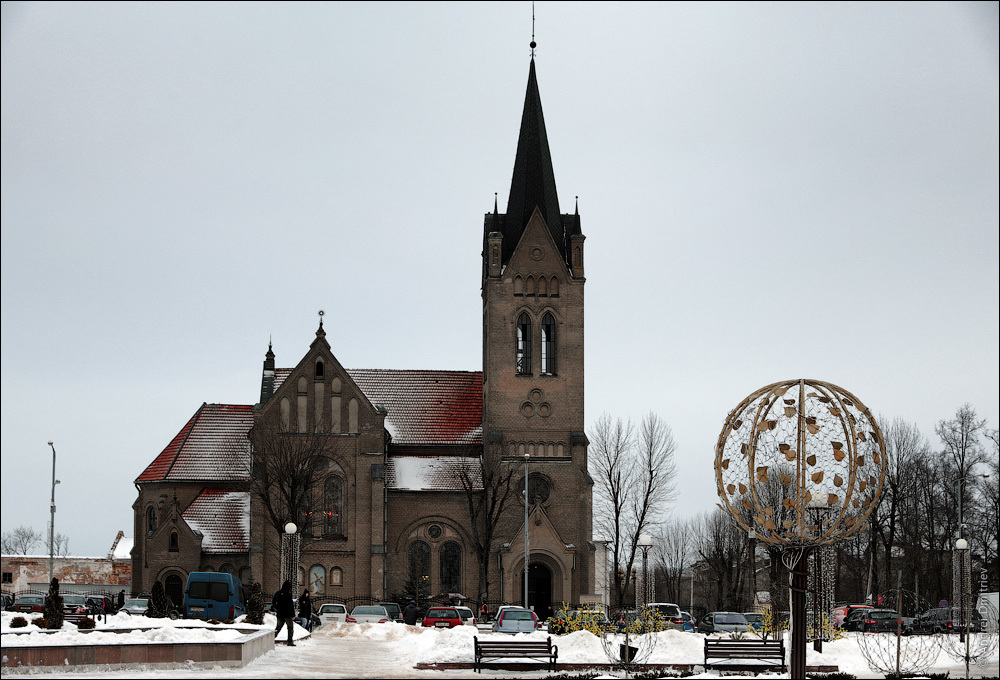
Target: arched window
x=333, y=506
x=529, y=286
x=543, y=286
x=150, y=520
x=228, y=569
x=286, y=411
x=420, y=565
x=451, y=567
x=548, y=345
x=352, y=416
x=319, y=368
x=174, y=542
x=317, y=580
x=553, y=287
x=518, y=285
x=523, y=342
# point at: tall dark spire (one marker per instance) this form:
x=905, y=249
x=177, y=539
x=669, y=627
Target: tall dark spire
x=533, y=182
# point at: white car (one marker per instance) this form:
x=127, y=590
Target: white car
x=332, y=613
x=369, y=614
x=468, y=618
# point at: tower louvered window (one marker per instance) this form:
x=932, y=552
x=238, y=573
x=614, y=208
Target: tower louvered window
x=523, y=340
x=548, y=345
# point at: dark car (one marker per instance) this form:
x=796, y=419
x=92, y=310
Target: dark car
x=101, y=604
x=855, y=620
x=28, y=603
x=881, y=621
x=943, y=620
x=395, y=613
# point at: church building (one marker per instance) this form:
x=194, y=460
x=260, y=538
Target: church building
x=393, y=498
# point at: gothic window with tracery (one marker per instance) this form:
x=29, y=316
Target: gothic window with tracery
x=333, y=506
x=523, y=340
x=548, y=345
x=451, y=567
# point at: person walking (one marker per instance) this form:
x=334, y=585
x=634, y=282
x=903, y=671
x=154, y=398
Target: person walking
x=410, y=614
x=305, y=610
x=284, y=609
x=121, y=599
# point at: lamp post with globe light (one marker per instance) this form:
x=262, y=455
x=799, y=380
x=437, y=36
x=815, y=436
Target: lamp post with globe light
x=527, y=457
x=52, y=516
x=645, y=543
x=290, y=544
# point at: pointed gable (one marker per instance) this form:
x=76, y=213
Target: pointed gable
x=536, y=252
x=212, y=446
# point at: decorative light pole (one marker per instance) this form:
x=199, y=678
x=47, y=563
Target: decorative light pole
x=645, y=543
x=786, y=448
x=290, y=544
x=527, y=457
x=52, y=516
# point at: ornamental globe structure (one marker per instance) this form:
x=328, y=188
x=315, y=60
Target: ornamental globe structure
x=800, y=463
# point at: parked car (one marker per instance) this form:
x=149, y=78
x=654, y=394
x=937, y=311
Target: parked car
x=468, y=617
x=442, y=617
x=670, y=613
x=28, y=603
x=880, y=621
x=213, y=595
x=855, y=621
x=723, y=622
x=755, y=621
x=841, y=614
x=75, y=604
x=101, y=604
x=136, y=606
x=688, y=622
x=943, y=620
x=331, y=612
x=8, y=600
x=515, y=620
x=369, y=614
x=395, y=613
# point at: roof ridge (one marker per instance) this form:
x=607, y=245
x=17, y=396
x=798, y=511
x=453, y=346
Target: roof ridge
x=190, y=429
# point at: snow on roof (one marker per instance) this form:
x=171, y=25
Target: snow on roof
x=222, y=516
x=431, y=473
x=123, y=550
x=423, y=407
x=212, y=446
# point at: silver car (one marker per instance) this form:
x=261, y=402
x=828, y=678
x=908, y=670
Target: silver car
x=515, y=620
x=136, y=606
x=723, y=622
x=369, y=614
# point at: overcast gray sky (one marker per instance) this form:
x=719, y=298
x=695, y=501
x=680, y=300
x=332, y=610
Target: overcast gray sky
x=769, y=191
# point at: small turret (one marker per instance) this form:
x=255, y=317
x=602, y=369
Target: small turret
x=267, y=378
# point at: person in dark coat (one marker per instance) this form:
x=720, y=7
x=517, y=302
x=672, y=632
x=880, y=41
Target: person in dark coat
x=121, y=599
x=284, y=609
x=410, y=614
x=305, y=610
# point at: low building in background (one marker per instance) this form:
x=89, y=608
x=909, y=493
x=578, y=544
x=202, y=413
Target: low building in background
x=76, y=574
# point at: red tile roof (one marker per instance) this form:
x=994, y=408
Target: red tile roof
x=425, y=408
x=212, y=446
x=223, y=518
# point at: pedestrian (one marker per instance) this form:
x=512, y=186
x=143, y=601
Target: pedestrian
x=410, y=614
x=121, y=599
x=484, y=613
x=284, y=609
x=305, y=610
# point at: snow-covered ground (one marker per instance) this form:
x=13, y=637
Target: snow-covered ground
x=393, y=650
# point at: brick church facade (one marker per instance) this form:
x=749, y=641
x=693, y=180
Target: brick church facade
x=406, y=453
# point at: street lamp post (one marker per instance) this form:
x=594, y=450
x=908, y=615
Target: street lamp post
x=52, y=516
x=645, y=543
x=527, y=457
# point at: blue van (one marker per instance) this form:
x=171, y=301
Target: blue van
x=213, y=595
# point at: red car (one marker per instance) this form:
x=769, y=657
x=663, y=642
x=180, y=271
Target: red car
x=442, y=617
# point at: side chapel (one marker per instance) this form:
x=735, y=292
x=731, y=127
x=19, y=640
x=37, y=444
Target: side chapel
x=390, y=504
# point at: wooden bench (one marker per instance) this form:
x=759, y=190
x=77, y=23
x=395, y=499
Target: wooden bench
x=491, y=650
x=761, y=650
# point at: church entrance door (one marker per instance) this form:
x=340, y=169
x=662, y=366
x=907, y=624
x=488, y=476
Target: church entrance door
x=174, y=587
x=540, y=590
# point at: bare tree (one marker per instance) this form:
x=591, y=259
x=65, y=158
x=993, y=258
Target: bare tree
x=904, y=445
x=961, y=439
x=722, y=546
x=672, y=553
x=633, y=472
x=487, y=482
x=286, y=468
x=60, y=545
x=19, y=541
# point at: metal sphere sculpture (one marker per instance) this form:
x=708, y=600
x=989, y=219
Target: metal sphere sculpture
x=801, y=463
x=887, y=652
